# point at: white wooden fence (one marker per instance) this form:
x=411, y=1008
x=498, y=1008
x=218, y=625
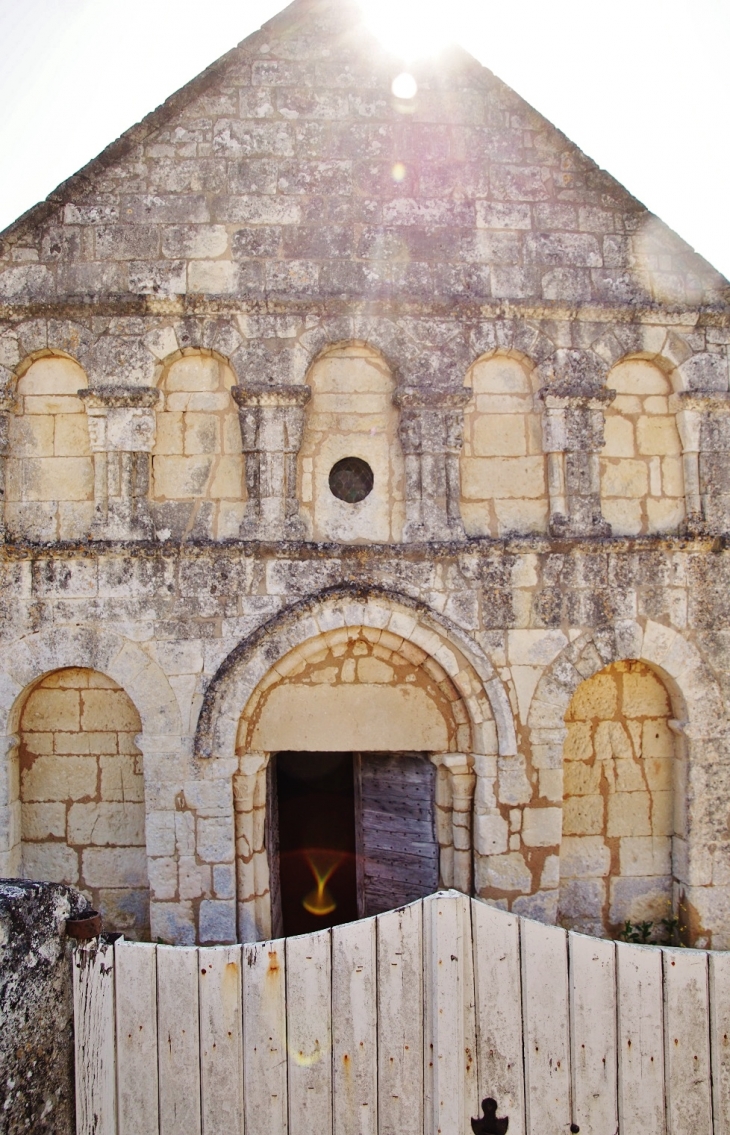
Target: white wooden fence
x=400, y=1025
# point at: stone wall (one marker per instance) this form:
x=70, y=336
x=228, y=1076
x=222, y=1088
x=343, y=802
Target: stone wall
x=36, y=1045
x=288, y=264
x=82, y=794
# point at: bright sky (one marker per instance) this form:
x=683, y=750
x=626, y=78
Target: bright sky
x=643, y=86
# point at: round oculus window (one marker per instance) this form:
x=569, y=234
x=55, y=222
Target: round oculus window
x=351, y=480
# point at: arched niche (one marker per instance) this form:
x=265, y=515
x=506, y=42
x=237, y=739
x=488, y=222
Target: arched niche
x=82, y=798
x=351, y=415
x=642, y=482
x=619, y=773
x=503, y=468
x=198, y=482
x=50, y=472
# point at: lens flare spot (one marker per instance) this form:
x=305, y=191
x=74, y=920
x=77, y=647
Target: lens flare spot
x=405, y=86
x=322, y=864
x=399, y=175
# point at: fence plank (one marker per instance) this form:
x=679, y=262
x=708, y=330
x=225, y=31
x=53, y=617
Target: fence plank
x=499, y=1011
x=354, y=1022
x=221, y=1040
x=309, y=1032
x=178, y=1040
x=449, y=1076
x=547, y=1051
x=594, y=1055
x=686, y=1043
x=720, y=1039
x=135, y=966
x=95, y=1057
x=400, y=1021
x=640, y=1040
x=264, y=1038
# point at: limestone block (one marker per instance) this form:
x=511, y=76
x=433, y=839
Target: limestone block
x=43, y=821
x=624, y=516
x=172, y=922
x=645, y=855
x=595, y=698
x=584, y=857
x=33, y=435
x=550, y=872
x=490, y=834
x=62, y=777
x=121, y=777
x=581, y=779
x=71, y=435
x=215, y=839
x=160, y=833
x=176, y=478
x=52, y=376
x=54, y=861
x=108, y=710
x=541, y=827
x=640, y=899
x=522, y=516
x=534, y=647
x=644, y=696
x=53, y=404
x=580, y=906
x=583, y=815
x=624, y=478
x=657, y=436
x=504, y=873
x=499, y=435
x=579, y=740
x=485, y=478
x=163, y=878
x=551, y=785
x=106, y=825
x=629, y=814
x=51, y=710
x=105, y=867
x=217, y=921
x=619, y=435
x=224, y=881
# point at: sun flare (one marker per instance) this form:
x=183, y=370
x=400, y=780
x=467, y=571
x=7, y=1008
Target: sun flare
x=411, y=30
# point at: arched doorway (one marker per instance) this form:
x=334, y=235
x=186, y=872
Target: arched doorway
x=354, y=740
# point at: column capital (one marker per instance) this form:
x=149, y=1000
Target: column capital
x=261, y=394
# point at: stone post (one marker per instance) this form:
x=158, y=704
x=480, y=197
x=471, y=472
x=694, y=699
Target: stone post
x=122, y=430
x=252, y=865
x=703, y=421
x=431, y=432
x=573, y=424
x=8, y=406
x=272, y=427
x=10, y=833
x=455, y=785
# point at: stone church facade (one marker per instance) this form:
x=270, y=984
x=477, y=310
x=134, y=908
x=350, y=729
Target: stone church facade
x=340, y=423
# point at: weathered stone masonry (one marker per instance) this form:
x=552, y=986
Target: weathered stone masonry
x=285, y=266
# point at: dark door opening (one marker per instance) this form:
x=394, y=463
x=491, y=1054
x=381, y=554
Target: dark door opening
x=314, y=796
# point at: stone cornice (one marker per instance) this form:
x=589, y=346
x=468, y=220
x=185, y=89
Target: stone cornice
x=410, y=398
x=259, y=394
x=120, y=398
x=125, y=305
x=701, y=400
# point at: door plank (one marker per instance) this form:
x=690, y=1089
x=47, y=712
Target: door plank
x=720, y=1039
x=450, y=1080
x=221, y=1040
x=354, y=1029
x=400, y=1021
x=264, y=1038
x=499, y=1011
x=178, y=1040
x=309, y=1031
x=135, y=969
x=398, y=855
x=594, y=1052
x=94, y=1039
x=640, y=1040
x=687, y=1042
x=546, y=1024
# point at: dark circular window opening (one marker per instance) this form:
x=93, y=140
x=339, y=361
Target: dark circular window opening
x=351, y=480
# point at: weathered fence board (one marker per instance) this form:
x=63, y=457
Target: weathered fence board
x=640, y=1041
x=135, y=986
x=720, y=1040
x=401, y=1025
x=400, y=1021
x=499, y=1016
x=178, y=1040
x=264, y=1038
x=687, y=1042
x=221, y=1040
x=309, y=1032
x=354, y=1029
x=594, y=1056
x=96, y=1070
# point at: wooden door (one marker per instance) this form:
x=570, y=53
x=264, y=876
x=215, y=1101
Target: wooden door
x=397, y=851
